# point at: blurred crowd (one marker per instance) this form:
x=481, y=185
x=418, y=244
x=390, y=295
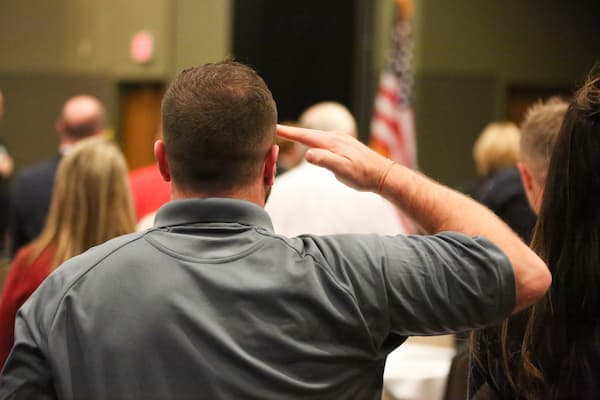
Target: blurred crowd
x=540, y=177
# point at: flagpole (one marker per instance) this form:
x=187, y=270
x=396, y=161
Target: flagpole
x=363, y=88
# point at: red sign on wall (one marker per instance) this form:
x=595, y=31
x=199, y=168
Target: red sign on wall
x=142, y=47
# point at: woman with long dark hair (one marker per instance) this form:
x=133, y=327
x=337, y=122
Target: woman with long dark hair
x=552, y=350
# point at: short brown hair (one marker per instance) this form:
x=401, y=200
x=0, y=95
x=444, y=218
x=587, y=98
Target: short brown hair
x=539, y=131
x=219, y=122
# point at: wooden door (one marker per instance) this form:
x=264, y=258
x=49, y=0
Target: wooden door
x=140, y=121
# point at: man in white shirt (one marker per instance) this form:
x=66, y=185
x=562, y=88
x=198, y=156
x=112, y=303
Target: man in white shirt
x=308, y=199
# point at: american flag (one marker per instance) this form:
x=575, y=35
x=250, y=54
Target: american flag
x=392, y=126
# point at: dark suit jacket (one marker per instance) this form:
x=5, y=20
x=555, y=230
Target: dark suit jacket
x=503, y=193
x=31, y=196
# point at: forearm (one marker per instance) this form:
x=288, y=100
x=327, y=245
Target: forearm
x=438, y=208
x=433, y=206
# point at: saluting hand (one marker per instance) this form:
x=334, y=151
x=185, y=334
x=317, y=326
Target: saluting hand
x=353, y=163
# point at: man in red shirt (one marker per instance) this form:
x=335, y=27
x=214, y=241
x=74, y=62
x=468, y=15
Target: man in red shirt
x=149, y=190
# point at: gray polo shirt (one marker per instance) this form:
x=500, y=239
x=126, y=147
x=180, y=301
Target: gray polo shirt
x=211, y=304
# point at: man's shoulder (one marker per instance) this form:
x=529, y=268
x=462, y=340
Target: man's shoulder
x=312, y=200
x=70, y=272
x=43, y=305
x=501, y=187
x=302, y=181
x=332, y=250
x=297, y=174
x=89, y=259
x=510, y=175
x=42, y=171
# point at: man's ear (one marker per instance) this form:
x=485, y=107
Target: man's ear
x=270, y=164
x=59, y=125
x=526, y=178
x=161, y=158
x=529, y=186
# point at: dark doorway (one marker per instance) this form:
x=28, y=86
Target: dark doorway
x=302, y=49
x=520, y=98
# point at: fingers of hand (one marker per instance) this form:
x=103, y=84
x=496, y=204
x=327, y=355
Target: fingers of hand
x=352, y=162
x=308, y=137
x=327, y=159
x=341, y=166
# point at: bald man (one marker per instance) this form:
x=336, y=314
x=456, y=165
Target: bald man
x=329, y=116
x=309, y=199
x=81, y=116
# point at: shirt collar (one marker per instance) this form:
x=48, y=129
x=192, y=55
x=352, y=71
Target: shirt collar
x=189, y=211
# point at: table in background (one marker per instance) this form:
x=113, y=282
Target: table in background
x=418, y=370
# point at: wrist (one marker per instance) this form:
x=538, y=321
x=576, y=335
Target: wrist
x=384, y=175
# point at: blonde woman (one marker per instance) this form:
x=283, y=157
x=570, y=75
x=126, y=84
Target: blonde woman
x=496, y=148
x=91, y=203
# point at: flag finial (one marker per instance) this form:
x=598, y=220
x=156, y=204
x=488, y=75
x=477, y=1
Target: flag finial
x=405, y=7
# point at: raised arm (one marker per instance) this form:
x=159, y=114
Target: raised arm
x=433, y=206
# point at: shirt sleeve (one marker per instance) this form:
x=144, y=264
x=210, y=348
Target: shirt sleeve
x=26, y=374
x=446, y=283
x=423, y=285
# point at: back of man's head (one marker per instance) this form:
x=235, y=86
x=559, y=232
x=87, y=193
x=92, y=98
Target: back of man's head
x=82, y=116
x=328, y=116
x=539, y=131
x=219, y=122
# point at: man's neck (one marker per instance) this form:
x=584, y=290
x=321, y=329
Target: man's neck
x=252, y=194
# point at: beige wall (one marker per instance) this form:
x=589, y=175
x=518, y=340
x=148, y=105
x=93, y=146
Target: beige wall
x=93, y=37
x=202, y=32
x=131, y=16
x=533, y=41
x=79, y=36
x=30, y=37
x=52, y=50
x=468, y=53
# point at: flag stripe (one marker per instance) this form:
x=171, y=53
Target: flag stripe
x=392, y=124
